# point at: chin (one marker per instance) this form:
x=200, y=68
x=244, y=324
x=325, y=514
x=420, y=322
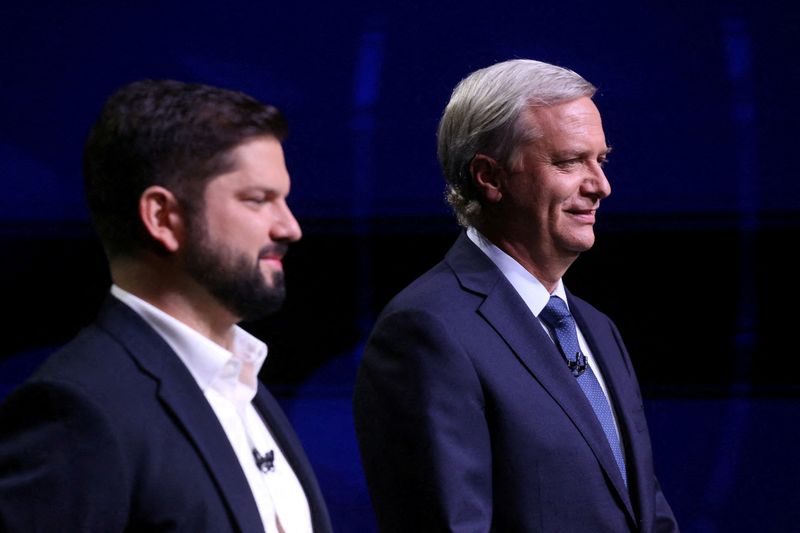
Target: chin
x=580, y=244
x=268, y=279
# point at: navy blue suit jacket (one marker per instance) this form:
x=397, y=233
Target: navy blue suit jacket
x=112, y=433
x=469, y=420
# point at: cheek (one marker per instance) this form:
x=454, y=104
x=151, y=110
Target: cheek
x=236, y=225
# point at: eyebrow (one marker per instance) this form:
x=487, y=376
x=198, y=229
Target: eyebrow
x=266, y=191
x=580, y=154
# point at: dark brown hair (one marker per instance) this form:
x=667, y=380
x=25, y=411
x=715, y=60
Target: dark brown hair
x=164, y=132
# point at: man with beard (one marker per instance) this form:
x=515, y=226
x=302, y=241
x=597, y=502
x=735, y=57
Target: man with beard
x=153, y=418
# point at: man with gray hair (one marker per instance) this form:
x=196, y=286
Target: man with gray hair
x=489, y=397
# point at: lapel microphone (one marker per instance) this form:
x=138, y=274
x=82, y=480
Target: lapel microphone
x=578, y=366
x=266, y=462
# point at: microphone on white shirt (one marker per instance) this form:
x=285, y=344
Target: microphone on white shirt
x=266, y=462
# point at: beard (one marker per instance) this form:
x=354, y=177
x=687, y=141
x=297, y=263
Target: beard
x=234, y=279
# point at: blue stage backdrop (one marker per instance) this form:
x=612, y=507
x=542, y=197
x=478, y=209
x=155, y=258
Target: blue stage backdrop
x=699, y=101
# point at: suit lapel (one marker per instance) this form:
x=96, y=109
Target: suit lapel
x=278, y=427
x=182, y=397
x=613, y=370
x=626, y=401
x=291, y=447
x=507, y=313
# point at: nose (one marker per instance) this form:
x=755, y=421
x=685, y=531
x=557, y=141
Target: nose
x=596, y=183
x=285, y=227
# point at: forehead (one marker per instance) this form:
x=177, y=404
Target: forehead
x=258, y=162
x=575, y=120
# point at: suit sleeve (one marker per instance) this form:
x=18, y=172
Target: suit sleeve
x=665, y=521
x=60, y=467
x=420, y=422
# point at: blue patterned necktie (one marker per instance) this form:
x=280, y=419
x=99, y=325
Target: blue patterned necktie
x=558, y=318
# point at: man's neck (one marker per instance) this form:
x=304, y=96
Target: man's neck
x=548, y=270
x=177, y=295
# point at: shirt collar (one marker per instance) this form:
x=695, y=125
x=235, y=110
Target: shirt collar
x=527, y=286
x=208, y=362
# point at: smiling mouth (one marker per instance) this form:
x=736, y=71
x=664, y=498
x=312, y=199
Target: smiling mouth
x=587, y=215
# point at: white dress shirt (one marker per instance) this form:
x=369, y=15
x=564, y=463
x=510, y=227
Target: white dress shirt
x=536, y=297
x=228, y=380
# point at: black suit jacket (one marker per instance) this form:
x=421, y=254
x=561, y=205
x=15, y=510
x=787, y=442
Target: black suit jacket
x=469, y=420
x=112, y=433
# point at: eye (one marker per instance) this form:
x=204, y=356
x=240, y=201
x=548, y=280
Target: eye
x=256, y=201
x=567, y=163
x=257, y=197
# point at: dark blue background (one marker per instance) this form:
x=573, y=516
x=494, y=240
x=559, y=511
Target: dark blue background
x=699, y=101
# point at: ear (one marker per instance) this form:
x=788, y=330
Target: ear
x=162, y=217
x=488, y=176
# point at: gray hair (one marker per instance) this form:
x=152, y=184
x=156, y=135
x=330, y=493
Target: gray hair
x=483, y=117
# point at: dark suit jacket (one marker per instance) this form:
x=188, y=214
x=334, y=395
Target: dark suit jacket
x=112, y=433
x=469, y=420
